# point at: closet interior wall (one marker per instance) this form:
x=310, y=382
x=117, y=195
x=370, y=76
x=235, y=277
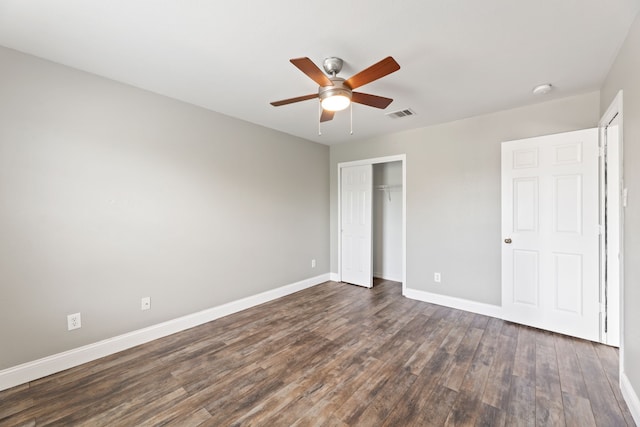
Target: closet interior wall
x=387, y=221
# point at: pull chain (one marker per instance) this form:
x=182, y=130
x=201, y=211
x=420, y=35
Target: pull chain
x=319, y=116
x=351, y=113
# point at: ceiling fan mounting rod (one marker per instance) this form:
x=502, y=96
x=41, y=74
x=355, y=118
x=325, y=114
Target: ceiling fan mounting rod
x=332, y=65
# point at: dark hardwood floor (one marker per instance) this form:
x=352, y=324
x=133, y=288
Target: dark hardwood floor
x=337, y=355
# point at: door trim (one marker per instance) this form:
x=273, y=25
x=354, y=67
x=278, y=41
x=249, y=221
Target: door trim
x=615, y=109
x=388, y=159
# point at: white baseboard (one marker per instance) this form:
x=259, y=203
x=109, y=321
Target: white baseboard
x=334, y=277
x=453, y=302
x=30, y=371
x=631, y=397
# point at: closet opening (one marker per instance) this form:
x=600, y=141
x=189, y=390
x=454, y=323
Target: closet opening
x=372, y=220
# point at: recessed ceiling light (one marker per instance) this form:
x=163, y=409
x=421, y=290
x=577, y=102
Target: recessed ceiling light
x=542, y=89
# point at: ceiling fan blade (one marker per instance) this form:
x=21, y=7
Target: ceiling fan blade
x=310, y=69
x=380, y=69
x=292, y=100
x=371, y=100
x=326, y=115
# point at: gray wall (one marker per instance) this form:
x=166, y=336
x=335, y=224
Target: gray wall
x=453, y=191
x=625, y=75
x=109, y=193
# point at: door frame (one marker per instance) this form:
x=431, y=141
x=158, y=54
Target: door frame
x=615, y=109
x=388, y=159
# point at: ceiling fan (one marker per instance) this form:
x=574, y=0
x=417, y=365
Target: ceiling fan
x=336, y=93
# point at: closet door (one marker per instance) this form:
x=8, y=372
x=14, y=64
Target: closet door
x=356, y=225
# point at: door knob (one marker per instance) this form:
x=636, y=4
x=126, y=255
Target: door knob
x=507, y=240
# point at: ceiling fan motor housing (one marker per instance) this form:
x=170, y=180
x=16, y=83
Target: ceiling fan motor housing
x=339, y=88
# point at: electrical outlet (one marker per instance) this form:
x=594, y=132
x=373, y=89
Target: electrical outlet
x=437, y=278
x=313, y=263
x=145, y=303
x=74, y=321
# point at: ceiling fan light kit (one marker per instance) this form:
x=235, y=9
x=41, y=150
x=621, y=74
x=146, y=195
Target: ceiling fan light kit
x=336, y=93
x=336, y=97
x=336, y=102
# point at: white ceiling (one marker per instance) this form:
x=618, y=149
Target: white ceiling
x=459, y=58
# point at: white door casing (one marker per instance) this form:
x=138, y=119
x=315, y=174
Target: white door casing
x=550, y=248
x=356, y=225
x=610, y=218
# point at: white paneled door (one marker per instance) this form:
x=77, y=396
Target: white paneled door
x=551, y=233
x=356, y=226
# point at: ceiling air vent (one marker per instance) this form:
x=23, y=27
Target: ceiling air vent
x=401, y=113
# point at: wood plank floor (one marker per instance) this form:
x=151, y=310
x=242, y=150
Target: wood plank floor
x=337, y=355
